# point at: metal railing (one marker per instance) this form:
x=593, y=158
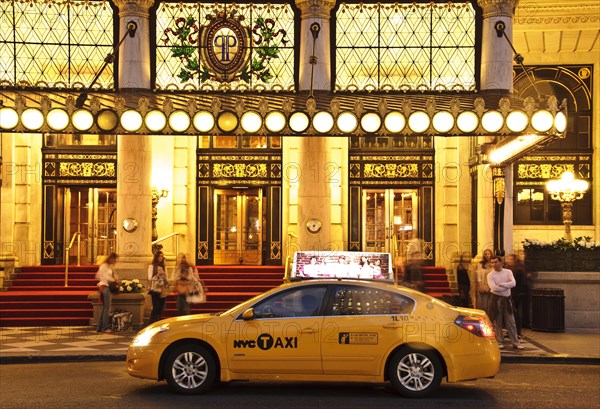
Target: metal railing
x=168, y=236
x=395, y=256
x=68, y=250
x=288, y=259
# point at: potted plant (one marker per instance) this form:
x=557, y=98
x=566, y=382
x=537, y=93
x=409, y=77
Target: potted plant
x=580, y=254
x=131, y=298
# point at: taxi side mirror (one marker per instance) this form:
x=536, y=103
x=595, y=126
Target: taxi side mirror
x=248, y=314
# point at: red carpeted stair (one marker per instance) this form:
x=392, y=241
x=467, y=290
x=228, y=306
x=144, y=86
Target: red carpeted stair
x=228, y=286
x=38, y=297
x=436, y=282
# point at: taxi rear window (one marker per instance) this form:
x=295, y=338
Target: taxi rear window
x=358, y=300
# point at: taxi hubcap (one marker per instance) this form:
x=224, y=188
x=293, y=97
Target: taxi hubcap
x=189, y=370
x=415, y=372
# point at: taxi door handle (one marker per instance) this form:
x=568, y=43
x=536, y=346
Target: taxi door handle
x=393, y=325
x=308, y=331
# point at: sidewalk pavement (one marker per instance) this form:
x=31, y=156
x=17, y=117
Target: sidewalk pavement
x=67, y=344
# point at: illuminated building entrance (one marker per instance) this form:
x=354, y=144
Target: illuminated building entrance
x=89, y=223
x=391, y=220
x=238, y=226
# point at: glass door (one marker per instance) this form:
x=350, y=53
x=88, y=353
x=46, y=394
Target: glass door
x=90, y=226
x=238, y=226
x=390, y=220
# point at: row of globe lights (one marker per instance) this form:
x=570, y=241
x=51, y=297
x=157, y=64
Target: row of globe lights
x=251, y=121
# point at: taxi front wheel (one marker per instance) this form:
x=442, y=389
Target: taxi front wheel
x=415, y=373
x=190, y=369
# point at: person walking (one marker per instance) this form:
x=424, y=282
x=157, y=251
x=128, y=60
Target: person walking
x=482, y=290
x=501, y=280
x=159, y=285
x=186, y=280
x=520, y=292
x=464, y=283
x=105, y=275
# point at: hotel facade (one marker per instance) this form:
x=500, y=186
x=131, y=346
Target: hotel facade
x=242, y=133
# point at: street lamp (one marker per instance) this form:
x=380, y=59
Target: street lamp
x=157, y=194
x=567, y=189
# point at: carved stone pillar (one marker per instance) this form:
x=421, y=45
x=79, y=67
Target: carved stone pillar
x=134, y=159
x=496, y=53
x=315, y=11
x=315, y=152
x=485, y=210
x=134, y=53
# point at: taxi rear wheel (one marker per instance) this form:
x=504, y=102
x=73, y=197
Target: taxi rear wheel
x=415, y=373
x=190, y=369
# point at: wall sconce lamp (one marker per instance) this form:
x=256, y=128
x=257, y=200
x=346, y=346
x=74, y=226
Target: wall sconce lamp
x=109, y=59
x=567, y=189
x=157, y=194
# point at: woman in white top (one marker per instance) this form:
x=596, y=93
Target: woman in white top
x=105, y=275
x=482, y=295
x=157, y=271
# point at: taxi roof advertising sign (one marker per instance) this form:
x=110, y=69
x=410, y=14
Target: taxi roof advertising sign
x=342, y=264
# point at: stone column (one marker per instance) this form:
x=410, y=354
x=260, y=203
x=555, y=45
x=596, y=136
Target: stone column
x=496, y=74
x=509, y=245
x=134, y=159
x=496, y=53
x=315, y=11
x=315, y=152
x=8, y=171
x=485, y=210
x=134, y=53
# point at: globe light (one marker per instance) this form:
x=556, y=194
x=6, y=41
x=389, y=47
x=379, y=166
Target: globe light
x=323, y=122
x=155, y=121
x=204, y=121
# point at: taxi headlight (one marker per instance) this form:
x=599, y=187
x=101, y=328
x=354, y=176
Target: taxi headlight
x=144, y=337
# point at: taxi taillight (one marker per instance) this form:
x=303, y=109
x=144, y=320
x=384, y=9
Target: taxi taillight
x=478, y=326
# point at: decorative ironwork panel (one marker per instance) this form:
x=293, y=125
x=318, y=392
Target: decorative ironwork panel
x=405, y=46
x=168, y=68
x=259, y=170
x=370, y=170
x=239, y=170
x=275, y=253
x=202, y=250
x=80, y=169
x=535, y=170
x=48, y=253
x=56, y=43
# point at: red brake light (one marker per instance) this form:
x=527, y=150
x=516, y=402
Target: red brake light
x=477, y=326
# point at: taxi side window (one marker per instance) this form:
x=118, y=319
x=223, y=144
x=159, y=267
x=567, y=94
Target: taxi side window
x=302, y=302
x=357, y=300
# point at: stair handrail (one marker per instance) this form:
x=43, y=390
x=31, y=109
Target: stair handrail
x=68, y=250
x=395, y=253
x=168, y=236
x=288, y=259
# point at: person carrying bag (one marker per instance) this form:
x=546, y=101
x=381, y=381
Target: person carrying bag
x=106, y=278
x=159, y=286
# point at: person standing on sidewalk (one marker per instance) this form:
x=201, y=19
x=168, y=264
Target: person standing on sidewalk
x=482, y=290
x=519, y=293
x=104, y=276
x=501, y=280
x=159, y=286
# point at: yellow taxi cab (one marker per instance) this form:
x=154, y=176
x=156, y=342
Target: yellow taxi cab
x=322, y=330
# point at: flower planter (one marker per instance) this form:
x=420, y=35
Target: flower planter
x=132, y=302
x=563, y=260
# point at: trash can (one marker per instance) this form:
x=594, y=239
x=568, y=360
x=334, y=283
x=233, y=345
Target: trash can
x=548, y=309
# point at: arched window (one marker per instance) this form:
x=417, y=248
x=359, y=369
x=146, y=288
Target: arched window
x=533, y=204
